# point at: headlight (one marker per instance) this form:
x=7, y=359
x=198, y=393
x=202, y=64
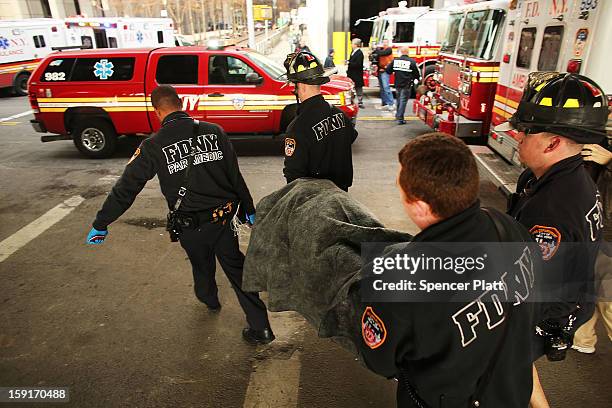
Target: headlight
x=349, y=97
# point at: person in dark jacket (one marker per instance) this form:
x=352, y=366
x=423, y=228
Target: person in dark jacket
x=319, y=139
x=329, y=61
x=463, y=347
x=210, y=197
x=355, y=69
x=406, y=76
x=557, y=200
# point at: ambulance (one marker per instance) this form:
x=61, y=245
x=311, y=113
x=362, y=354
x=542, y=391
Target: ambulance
x=93, y=96
x=467, y=71
x=23, y=43
x=419, y=28
x=543, y=35
x=120, y=32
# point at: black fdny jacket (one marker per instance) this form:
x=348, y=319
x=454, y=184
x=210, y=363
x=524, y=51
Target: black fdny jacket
x=406, y=71
x=563, y=206
x=215, y=177
x=318, y=144
x=443, y=348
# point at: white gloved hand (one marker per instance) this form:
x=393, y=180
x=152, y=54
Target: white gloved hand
x=597, y=154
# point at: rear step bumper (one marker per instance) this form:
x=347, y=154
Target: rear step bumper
x=53, y=138
x=496, y=169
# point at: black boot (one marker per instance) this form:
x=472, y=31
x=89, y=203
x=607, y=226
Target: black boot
x=255, y=337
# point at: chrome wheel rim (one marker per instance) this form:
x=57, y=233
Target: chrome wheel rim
x=93, y=139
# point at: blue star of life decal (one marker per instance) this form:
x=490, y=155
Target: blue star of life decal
x=103, y=69
x=139, y=37
x=4, y=43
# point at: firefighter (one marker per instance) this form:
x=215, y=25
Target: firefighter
x=383, y=55
x=198, y=166
x=557, y=200
x=318, y=142
x=406, y=76
x=441, y=348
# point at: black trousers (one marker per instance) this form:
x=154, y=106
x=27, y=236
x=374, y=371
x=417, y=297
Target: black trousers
x=217, y=239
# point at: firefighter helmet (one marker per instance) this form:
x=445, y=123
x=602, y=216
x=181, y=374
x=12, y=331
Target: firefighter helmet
x=304, y=67
x=569, y=105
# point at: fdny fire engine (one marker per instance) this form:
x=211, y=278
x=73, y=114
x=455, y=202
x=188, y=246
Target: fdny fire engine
x=467, y=71
x=23, y=43
x=543, y=35
x=92, y=96
x=419, y=28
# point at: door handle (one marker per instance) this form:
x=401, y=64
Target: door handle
x=215, y=95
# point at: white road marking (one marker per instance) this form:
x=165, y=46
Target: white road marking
x=265, y=390
x=22, y=237
x=19, y=115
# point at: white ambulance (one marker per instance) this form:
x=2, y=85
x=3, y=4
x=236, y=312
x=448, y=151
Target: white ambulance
x=543, y=35
x=120, y=32
x=419, y=28
x=23, y=43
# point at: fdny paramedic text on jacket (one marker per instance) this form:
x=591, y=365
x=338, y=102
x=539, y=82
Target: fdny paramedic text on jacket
x=214, y=189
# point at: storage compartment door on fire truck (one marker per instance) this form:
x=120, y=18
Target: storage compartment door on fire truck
x=182, y=71
x=235, y=95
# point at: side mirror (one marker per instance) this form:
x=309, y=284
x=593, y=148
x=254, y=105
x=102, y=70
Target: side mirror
x=253, y=78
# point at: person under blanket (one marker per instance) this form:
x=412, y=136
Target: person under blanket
x=447, y=352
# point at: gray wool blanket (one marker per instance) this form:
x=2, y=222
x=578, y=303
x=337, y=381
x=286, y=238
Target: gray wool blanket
x=305, y=252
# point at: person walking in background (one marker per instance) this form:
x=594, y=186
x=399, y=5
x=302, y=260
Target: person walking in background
x=406, y=75
x=384, y=56
x=329, y=61
x=355, y=69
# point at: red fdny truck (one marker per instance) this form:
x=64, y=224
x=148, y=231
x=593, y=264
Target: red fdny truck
x=93, y=96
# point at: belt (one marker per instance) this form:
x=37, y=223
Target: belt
x=218, y=214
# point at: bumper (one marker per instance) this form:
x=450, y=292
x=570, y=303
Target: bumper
x=38, y=126
x=459, y=126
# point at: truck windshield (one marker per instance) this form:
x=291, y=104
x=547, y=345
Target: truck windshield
x=452, y=34
x=480, y=33
x=272, y=68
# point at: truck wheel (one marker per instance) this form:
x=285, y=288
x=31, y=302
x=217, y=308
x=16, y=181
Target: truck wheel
x=95, y=138
x=429, y=80
x=21, y=84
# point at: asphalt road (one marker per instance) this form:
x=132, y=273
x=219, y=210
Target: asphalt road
x=119, y=325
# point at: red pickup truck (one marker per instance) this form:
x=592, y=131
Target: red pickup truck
x=92, y=96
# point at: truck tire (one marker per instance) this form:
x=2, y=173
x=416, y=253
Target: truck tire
x=428, y=79
x=20, y=86
x=95, y=137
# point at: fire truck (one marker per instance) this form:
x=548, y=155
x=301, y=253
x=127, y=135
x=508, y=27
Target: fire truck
x=418, y=28
x=543, y=35
x=92, y=96
x=119, y=32
x=467, y=71
x=23, y=43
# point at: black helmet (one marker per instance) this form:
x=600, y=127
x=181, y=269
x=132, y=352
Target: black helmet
x=569, y=105
x=304, y=67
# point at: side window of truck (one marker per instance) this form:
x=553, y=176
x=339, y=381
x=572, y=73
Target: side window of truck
x=58, y=70
x=404, y=32
x=86, y=41
x=551, y=48
x=39, y=41
x=102, y=69
x=226, y=70
x=528, y=36
x=177, y=69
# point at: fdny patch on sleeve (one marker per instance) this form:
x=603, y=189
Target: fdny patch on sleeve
x=372, y=329
x=548, y=238
x=135, y=155
x=289, y=147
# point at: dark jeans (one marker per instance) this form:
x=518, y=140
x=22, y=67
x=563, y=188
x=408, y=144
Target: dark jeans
x=403, y=94
x=201, y=246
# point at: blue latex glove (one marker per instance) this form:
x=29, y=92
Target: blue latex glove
x=96, y=237
x=251, y=219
